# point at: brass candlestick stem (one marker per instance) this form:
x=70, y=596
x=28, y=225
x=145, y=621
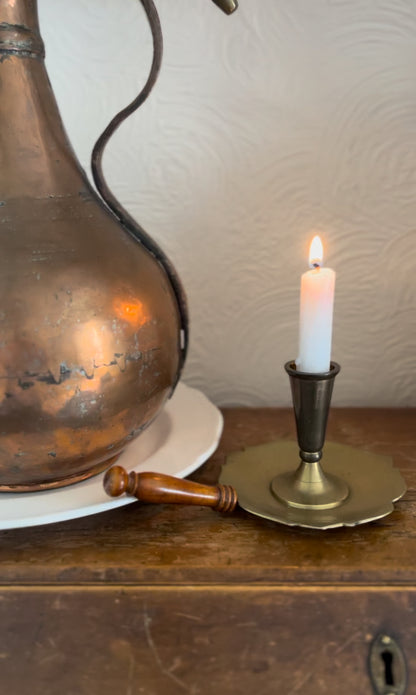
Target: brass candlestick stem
x=309, y=487
x=352, y=487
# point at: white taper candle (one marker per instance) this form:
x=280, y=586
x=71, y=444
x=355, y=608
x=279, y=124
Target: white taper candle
x=316, y=311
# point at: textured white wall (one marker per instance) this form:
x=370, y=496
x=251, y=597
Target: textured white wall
x=288, y=117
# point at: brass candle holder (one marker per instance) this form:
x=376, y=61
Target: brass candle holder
x=351, y=487
x=309, y=487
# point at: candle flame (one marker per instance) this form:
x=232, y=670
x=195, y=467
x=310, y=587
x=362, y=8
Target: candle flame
x=316, y=253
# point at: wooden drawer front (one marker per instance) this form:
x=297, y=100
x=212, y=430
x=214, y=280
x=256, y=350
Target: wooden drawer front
x=199, y=640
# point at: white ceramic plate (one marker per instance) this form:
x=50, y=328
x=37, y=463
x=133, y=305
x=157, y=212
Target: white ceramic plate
x=182, y=437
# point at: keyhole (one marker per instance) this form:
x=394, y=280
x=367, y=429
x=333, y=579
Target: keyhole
x=387, y=657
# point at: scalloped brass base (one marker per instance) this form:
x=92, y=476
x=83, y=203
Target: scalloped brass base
x=373, y=484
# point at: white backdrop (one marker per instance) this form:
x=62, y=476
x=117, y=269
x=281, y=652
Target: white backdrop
x=288, y=117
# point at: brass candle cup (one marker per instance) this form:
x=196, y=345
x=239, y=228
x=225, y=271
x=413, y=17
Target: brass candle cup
x=309, y=487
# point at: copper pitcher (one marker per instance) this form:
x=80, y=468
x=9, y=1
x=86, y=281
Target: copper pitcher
x=93, y=324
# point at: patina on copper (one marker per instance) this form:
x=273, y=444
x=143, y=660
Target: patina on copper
x=91, y=324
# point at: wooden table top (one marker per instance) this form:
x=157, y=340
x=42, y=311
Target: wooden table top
x=177, y=545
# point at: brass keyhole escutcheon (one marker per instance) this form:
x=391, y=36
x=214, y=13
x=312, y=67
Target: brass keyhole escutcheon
x=387, y=666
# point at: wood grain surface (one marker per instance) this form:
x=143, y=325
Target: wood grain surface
x=231, y=640
x=166, y=600
x=160, y=544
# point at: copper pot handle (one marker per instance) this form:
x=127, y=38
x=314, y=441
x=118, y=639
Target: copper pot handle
x=128, y=222
x=136, y=230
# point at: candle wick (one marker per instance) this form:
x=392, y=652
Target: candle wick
x=316, y=265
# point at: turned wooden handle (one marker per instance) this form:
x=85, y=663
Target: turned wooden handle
x=166, y=489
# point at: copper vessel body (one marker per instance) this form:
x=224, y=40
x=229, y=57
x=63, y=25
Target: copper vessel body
x=90, y=329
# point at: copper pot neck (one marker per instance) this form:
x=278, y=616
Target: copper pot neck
x=19, y=29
